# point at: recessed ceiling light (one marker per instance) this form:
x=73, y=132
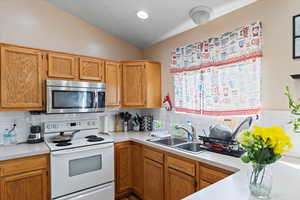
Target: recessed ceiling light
x=142, y=14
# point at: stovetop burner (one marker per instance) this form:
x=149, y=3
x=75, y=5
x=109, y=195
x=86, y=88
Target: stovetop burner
x=63, y=144
x=91, y=136
x=95, y=139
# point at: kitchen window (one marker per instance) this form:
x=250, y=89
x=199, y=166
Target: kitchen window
x=220, y=76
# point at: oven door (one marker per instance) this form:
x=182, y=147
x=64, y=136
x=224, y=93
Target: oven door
x=74, y=100
x=73, y=170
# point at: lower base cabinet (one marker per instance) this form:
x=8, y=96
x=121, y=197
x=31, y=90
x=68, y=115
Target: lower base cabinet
x=153, y=180
x=123, y=168
x=137, y=169
x=25, y=179
x=152, y=174
x=179, y=185
x=25, y=186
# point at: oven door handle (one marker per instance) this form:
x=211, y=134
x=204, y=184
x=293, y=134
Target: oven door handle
x=82, y=149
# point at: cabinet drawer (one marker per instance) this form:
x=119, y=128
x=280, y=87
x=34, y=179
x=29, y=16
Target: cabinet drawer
x=211, y=175
x=203, y=184
x=182, y=165
x=17, y=166
x=154, y=155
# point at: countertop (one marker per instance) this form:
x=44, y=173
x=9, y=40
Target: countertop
x=285, y=172
x=22, y=150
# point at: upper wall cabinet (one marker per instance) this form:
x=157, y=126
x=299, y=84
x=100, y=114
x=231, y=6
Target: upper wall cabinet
x=141, y=84
x=91, y=69
x=61, y=66
x=113, y=73
x=21, y=80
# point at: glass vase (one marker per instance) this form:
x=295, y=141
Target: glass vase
x=260, y=181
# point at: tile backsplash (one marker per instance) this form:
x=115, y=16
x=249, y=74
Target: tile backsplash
x=24, y=120
x=202, y=123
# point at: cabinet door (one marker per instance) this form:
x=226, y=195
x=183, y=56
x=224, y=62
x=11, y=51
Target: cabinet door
x=179, y=185
x=91, y=69
x=153, y=180
x=137, y=169
x=113, y=84
x=134, y=94
x=21, y=83
x=61, y=66
x=123, y=168
x=26, y=186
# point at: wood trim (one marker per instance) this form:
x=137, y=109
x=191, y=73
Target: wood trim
x=55, y=52
x=143, y=61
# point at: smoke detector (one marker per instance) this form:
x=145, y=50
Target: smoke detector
x=200, y=14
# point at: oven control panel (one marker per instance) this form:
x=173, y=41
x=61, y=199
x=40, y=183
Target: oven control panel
x=70, y=125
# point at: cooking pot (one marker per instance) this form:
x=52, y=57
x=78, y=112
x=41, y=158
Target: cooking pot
x=222, y=132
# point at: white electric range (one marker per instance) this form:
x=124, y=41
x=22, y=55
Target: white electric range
x=83, y=168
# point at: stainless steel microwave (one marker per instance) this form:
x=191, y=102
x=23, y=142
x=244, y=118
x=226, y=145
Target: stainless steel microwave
x=74, y=97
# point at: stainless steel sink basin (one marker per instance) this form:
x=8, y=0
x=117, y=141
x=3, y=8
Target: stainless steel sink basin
x=191, y=147
x=168, y=141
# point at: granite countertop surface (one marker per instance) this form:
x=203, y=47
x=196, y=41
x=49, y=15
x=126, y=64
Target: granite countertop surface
x=285, y=172
x=22, y=150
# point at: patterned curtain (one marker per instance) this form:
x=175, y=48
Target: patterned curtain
x=220, y=76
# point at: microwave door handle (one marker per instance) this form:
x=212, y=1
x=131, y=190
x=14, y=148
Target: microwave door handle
x=97, y=100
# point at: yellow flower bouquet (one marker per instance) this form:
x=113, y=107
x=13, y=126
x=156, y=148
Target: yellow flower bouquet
x=263, y=146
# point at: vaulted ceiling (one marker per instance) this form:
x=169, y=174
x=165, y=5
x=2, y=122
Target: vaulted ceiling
x=166, y=17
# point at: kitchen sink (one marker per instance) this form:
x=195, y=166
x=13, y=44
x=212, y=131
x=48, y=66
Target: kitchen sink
x=191, y=147
x=169, y=141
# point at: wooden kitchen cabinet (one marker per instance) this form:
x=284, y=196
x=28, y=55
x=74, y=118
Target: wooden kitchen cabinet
x=61, y=66
x=113, y=71
x=141, y=84
x=25, y=179
x=153, y=174
x=209, y=175
x=153, y=180
x=26, y=186
x=181, y=178
x=123, y=168
x=21, y=78
x=91, y=69
x=137, y=169
x=179, y=185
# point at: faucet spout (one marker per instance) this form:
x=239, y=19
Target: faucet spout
x=191, y=133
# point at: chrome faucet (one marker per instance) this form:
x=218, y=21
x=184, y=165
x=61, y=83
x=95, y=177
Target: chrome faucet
x=191, y=133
